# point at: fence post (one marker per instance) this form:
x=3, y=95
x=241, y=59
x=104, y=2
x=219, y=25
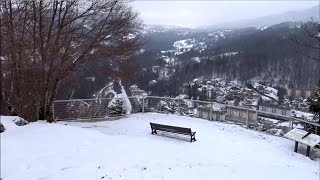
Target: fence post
x=179, y=100
x=291, y=123
x=142, y=104
x=247, y=119
x=53, y=110
x=211, y=115
x=317, y=127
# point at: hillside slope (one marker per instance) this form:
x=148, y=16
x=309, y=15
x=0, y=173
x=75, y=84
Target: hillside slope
x=125, y=149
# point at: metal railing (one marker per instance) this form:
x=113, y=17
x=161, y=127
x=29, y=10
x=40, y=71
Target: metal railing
x=95, y=108
x=120, y=106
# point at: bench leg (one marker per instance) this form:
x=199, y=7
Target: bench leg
x=296, y=147
x=308, y=151
x=154, y=131
x=193, y=138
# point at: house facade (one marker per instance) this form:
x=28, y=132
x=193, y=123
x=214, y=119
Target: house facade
x=300, y=93
x=217, y=115
x=275, y=109
x=243, y=115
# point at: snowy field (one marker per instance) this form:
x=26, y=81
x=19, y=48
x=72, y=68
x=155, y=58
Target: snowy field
x=125, y=149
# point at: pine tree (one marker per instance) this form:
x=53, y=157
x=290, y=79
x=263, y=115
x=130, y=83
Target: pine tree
x=314, y=103
x=117, y=108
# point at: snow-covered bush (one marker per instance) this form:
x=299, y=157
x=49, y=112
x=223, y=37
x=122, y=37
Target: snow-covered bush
x=20, y=121
x=117, y=107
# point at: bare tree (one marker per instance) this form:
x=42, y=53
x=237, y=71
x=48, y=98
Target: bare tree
x=44, y=41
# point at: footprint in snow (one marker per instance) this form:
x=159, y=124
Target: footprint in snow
x=65, y=168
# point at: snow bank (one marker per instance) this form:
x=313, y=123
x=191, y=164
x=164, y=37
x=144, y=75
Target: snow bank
x=184, y=44
x=125, y=149
x=9, y=122
x=303, y=115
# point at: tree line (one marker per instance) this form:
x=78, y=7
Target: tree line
x=44, y=42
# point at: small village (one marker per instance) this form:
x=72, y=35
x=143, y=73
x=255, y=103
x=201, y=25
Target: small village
x=257, y=107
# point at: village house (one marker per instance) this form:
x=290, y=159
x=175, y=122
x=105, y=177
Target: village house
x=249, y=106
x=261, y=89
x=299, y=93
x=240, y=114
x=217, y=115
x=276, y=109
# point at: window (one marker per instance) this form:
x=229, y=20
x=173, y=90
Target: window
x=284, y=112
x=240, y=113
x=273, y=110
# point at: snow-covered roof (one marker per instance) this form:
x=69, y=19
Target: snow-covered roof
x=275, y=106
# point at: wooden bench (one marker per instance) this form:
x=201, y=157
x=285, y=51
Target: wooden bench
x=172, y=129
x=303, y=137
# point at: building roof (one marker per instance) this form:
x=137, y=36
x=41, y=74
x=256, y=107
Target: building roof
x=204, y=108
x=240, y=108
x=274, y=106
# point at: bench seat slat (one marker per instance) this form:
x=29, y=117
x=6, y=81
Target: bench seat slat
x=173, y=131
x=169, y=127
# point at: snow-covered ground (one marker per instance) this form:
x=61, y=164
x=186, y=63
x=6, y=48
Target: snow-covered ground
x=228, y=54
x=184, y=44
x=125, y=149
x=304, y=115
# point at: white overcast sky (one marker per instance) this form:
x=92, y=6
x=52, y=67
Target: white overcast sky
x=199, y=13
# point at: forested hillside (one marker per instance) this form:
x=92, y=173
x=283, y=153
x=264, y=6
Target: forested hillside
x=267, y=54
x=172, y=56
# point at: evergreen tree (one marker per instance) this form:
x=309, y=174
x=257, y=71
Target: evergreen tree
x=314, y=103
x=117, y=107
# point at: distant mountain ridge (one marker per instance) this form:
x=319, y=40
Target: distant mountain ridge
x=260, y=22
x=266, y=21
x=256, y=49
x=173, y=57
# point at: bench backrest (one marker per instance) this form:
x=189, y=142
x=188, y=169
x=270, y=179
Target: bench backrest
x=170, y=128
